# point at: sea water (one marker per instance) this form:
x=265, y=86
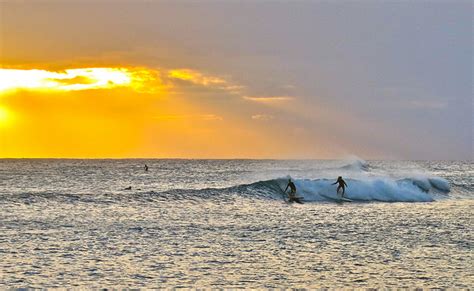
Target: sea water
x=225, y=224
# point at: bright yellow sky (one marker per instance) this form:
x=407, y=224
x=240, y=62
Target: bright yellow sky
x=120, y=112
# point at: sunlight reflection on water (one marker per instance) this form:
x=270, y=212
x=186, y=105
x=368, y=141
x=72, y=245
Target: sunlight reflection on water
x=244, y=243
x=225, y=239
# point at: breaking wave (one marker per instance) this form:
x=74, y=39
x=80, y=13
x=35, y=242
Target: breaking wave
x=357, y=165
x=371, y=189
x=384, y=189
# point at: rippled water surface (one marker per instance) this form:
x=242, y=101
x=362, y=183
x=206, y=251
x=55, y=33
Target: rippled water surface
x=199, y=223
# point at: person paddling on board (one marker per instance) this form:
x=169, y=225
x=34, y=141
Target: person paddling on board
x=342, y=184
x=292, y=194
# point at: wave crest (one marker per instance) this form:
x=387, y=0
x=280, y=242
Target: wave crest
x=370, y=189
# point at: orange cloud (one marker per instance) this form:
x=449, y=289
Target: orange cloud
x=207, y=117
x=262, y=117
x=198, y=78
x=269, y=99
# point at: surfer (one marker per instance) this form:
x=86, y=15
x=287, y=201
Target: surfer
x=292, y=194
x=342, y=184
x=146, y=168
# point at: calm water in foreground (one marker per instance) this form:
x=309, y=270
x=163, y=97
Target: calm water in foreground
x=224, y=223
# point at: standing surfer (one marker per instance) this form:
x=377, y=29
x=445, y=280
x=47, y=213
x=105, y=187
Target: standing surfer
x=342, y=184
x=146, y=168
x=292, y=194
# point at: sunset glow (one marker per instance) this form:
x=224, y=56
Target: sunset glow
x=120, y=112
x=4, y=116
x=161, y=79
x=68, y=80
x=196, y=77
x=268, y=99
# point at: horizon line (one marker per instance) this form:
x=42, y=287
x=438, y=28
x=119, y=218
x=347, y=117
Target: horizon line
x=228, y=159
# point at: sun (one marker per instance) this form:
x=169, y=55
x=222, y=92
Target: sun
x=4, y=116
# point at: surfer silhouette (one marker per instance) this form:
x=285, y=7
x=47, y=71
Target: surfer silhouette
x=342, y=184
x=146, y=168
x=291, y=185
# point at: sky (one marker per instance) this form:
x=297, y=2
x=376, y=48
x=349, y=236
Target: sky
x=236, y=79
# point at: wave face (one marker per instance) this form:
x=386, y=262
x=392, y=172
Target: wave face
x=378, y=185
x=373, y=189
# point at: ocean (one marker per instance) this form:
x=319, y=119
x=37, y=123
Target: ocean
x=225, y=224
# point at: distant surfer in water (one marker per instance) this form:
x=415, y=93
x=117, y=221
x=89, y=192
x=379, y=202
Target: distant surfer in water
x=342, y=184
x=146, y=168
x=292, y=194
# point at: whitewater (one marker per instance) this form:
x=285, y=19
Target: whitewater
x=225, y=224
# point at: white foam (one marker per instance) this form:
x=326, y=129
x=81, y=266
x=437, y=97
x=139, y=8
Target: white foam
x=369, y=189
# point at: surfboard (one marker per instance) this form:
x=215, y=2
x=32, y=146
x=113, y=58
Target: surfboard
x=337, y=199
x=296, y=199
